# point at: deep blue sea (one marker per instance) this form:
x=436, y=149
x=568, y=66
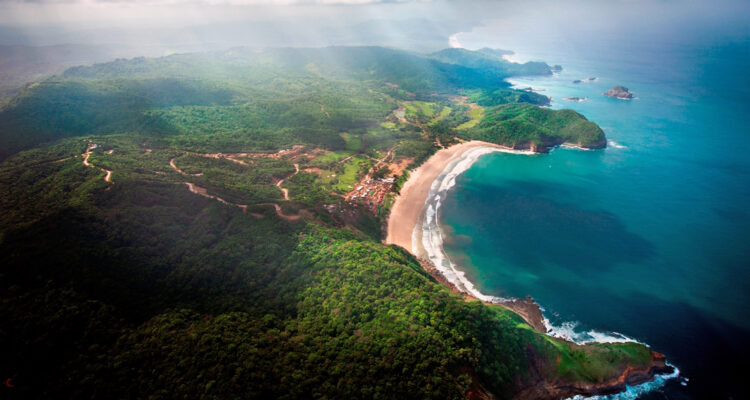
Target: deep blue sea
x=649, y=237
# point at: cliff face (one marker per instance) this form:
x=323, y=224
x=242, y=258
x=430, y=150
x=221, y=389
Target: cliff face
x=544, y=380
x=619, y=92
x=629, y=375
x=597, y=144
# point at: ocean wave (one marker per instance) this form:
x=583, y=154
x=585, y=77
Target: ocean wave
x=616, y=145
x=573, y=147
x=636, y=391
x=427, y=237
x=427, y=242
x=567, y=331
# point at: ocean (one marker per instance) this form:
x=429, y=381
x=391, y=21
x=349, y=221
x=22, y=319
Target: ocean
x=648, y=239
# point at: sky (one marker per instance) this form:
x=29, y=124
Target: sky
x=413, y=24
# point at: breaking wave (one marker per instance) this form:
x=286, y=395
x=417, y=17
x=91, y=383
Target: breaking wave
x=634, y=392
x=567, y=331
x=427, y=242
x=427, y=237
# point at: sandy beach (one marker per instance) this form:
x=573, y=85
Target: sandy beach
x=408, y=206
x=407, y=210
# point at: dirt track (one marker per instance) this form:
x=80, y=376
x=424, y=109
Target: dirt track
x=87, y=154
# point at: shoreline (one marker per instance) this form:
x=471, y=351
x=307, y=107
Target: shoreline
x=408, y=212
x=413, y=195
x=413, y=224
x=417, y=206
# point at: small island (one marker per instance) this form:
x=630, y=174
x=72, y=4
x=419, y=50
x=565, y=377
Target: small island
x=619, y=92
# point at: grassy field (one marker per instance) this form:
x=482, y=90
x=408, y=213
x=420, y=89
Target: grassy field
x=476, y=116
x=351, y=173
x=353, y=142
x=420, y=109
x=444, y=113
x=328, y=159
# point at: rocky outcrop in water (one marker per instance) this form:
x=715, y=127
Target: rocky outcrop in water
x=619, y=92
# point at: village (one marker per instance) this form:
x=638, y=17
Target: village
x=372, y=190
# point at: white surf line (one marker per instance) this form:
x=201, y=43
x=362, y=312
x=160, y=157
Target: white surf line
x=427, y=242
x=427, y=237
x=634, y=392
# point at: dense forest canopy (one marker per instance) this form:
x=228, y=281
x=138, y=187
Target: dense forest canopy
x=185, y=227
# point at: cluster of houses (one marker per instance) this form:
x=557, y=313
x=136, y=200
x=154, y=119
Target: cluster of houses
x=371, y=193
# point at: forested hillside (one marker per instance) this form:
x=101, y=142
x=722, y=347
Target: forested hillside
x=196, y=226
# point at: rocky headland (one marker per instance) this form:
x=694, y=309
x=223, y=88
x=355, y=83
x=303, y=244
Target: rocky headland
x=629, y=376
x=549, y=143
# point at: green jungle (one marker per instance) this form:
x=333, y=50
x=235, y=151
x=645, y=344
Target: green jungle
x=180, y=227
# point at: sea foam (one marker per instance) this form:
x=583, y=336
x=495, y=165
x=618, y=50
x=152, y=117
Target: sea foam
x=634, y=392
x=567, y=331
x=427, y=237
x=427, y=242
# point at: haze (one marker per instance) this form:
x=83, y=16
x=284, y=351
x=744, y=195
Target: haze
x=161, y=26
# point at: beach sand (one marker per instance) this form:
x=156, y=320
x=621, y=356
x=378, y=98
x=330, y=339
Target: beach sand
x=408, y=206
x=407, y=210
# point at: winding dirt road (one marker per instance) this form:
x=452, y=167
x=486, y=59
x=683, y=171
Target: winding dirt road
x=284, y=190
x=87, y=154
x=174, y=166
x=203, y=192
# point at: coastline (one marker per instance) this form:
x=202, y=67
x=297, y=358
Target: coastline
x=413, y=225
x=409, y=210
x=411, y=200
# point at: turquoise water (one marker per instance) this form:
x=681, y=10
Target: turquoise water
x=650, y=237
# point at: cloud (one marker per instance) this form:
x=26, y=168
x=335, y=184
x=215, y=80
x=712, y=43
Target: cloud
x=215, y=2
x=453, y=41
